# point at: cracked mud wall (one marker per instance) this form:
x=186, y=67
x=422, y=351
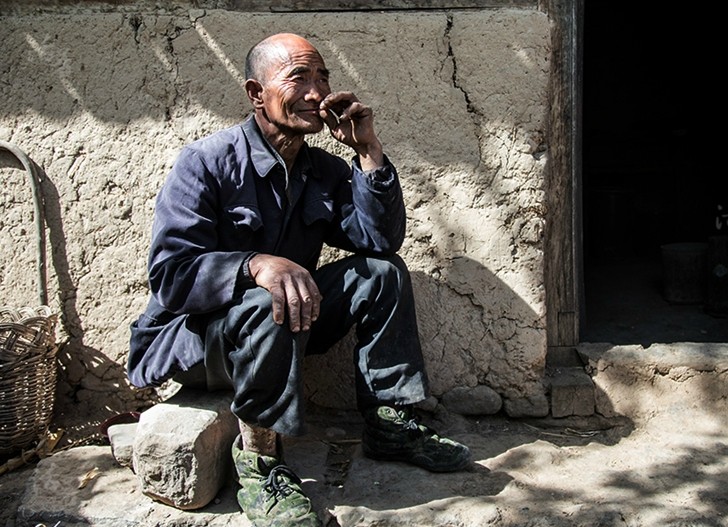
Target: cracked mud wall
x=103, y=102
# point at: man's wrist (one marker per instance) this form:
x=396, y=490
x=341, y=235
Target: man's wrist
x=372, y=157
x=245, y=278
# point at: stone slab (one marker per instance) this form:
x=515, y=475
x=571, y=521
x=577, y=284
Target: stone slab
x=572, y=392
x=182, y=448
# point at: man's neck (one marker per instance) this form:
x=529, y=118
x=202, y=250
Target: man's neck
x=286, y=145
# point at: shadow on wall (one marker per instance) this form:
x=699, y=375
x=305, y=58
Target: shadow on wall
x=140, y=69
x=94, y=388
x=475, y=331
x=89, y=380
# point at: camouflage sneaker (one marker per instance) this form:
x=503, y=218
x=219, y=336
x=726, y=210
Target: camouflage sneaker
x=394, y=435
x=270, y=493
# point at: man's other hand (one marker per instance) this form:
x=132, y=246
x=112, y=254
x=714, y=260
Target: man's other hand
x=352, y=123
x=291, y=287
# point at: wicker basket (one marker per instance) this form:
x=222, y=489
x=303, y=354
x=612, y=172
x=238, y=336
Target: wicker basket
x=28, y=366
x=27, y=375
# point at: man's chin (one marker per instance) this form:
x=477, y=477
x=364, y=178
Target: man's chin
x=312, y=125
x=300, y=126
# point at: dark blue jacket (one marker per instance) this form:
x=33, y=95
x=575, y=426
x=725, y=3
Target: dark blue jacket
x=220, y=205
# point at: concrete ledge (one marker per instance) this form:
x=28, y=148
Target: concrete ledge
x=637, y=382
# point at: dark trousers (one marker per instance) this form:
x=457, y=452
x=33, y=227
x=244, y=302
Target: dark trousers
x=263, y=362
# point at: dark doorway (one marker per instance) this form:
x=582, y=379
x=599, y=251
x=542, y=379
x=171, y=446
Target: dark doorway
x=655, y=191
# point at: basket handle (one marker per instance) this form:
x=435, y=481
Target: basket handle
x=35, y=179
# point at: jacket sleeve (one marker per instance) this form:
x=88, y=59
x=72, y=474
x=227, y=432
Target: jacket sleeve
x=373, y=215
x=188, y=273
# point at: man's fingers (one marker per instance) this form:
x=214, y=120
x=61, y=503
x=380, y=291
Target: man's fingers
x=337, y=107
x=357, y=111
x=330, y=118
x=293, y=291
x=294, y=302
x=333, y=118
x=316, y=308
x=278, y=299
x=306, y=303
x=311, y=305
x=306, y=313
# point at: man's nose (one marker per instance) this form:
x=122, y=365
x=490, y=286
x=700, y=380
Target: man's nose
x=315, y=93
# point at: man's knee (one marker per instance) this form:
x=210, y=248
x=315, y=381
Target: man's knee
x=253, y=311
x=390, y=265
x=390, y=273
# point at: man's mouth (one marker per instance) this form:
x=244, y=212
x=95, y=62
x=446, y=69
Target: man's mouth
x=312, y=111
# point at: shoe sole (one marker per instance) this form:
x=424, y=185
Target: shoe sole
x=378, y=456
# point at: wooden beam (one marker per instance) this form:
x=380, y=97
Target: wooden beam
x=267, y=6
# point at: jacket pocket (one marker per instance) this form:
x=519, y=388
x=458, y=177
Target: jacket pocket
x=319, y=209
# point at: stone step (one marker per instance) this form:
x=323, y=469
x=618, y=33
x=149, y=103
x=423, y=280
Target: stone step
x=571, y=391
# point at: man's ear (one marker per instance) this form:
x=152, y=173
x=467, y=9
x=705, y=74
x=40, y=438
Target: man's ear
x=254, y=89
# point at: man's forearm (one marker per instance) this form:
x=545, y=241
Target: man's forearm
x=372, y=157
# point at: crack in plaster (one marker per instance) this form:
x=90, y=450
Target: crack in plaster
x=451, y=56
x=471, y=109
x=170, y=35
x=136, y=22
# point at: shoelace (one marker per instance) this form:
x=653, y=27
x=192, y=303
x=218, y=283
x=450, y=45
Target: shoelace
x=278, y=483
x=411, y=423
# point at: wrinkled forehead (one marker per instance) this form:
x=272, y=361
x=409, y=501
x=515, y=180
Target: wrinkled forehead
x=300, y=55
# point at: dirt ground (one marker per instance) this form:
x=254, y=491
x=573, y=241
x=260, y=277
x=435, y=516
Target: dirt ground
x=670, y=470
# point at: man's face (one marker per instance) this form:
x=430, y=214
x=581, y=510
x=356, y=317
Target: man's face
x=296, y=82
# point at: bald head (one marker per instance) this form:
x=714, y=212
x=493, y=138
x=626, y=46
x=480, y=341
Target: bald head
x=270, y=51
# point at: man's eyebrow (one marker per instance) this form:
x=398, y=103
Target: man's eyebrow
x=305, y=69
x=298, y=70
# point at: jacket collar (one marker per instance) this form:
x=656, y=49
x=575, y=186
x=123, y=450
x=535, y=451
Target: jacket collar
x=265, y=158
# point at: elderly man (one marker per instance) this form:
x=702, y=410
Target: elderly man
x=238, y=298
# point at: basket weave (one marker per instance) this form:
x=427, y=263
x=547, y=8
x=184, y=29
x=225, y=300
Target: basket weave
x=28, y=366
x=27, y=375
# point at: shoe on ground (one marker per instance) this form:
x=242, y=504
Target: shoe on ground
x=392, y=434
x=270, y=493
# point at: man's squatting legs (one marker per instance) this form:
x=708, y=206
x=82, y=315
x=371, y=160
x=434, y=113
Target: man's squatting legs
x=263, y=360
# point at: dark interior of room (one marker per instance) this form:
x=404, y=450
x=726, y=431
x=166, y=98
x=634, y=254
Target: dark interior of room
x=655, y=193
